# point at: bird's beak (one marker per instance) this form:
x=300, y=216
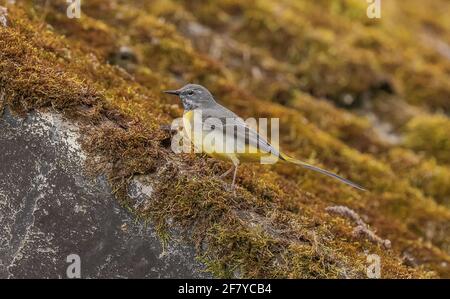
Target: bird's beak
x=175, y=92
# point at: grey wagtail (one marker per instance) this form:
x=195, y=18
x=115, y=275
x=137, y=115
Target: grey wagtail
x=197, y=99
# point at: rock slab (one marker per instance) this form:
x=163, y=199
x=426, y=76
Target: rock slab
x=50, y=210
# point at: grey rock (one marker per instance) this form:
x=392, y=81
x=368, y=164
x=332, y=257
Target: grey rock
x=49, y=209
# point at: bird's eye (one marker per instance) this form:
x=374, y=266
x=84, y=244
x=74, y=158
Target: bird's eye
x=190, y=92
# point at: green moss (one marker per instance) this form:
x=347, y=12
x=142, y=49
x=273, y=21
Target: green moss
x=429, y=134
x=425, y=174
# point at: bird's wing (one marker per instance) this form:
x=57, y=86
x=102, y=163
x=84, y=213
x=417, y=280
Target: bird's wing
x=235, y=127
x=217, y=111
x=246, y=136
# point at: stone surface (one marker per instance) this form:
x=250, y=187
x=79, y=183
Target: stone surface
x=50, y=210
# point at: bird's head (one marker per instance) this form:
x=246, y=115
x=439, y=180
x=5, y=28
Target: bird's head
x=193, y=96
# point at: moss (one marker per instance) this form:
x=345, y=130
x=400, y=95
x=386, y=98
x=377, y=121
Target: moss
x=319, y=39
x=424, y=174
x=429, y=134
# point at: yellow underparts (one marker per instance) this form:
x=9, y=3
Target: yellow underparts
x=217, y=149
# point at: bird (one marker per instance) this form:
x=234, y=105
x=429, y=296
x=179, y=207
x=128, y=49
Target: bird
x=198, y=100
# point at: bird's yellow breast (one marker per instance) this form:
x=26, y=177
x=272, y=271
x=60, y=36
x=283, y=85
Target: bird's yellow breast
x=196, y=135
x=188, y=123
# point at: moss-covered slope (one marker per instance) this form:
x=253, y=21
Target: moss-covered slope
x=106, y=72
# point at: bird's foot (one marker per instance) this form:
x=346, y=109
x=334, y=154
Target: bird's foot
x=231, y=188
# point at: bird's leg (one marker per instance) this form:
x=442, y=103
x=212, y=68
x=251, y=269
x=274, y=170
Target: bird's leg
x=227, y=172
x=234, y=179
x=236, y=164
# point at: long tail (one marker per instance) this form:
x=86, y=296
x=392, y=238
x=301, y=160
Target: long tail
x=320, y=170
